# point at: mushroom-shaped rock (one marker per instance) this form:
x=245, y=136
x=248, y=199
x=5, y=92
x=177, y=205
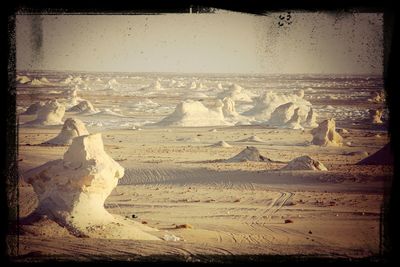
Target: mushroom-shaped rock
x=383, y=156
x=72, y=128
x=311, y=120
x=83, y=107
x=376, y=116
x=72, y=190
x=50, y=114
x=305, y=163
x=325, y=134
x=250, y=153
x=34, y=108
x=282, y=114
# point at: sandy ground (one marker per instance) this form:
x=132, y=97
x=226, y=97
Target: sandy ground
x=230, y=208
x=244, y=208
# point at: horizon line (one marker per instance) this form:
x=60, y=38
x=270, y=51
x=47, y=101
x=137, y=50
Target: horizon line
x=202, y=73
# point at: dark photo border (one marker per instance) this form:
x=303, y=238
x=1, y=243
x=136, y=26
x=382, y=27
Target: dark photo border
x=9, y=129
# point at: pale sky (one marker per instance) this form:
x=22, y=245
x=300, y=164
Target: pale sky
x=224, y=42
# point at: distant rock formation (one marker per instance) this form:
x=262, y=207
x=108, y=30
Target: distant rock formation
x=51, y=113
x=282, y=114
x=376, y=116
x=229, y=107
x=191, y=113
x=269, y=101
x=236, y=93
x=23, y=79
x=311, y=120
x=377, y=97
x=250, y=153
x=294, y=122
x=83, y=107
x=253, y=138
x=325, y=134
x=305, y=163
x=34, y=108
x=221, y=144
x=72, y=128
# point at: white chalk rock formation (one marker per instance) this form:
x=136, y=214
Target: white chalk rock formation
x=325, y=134
x=221, y=144
x=34, y=108
x=191, y=113
x=253, y=138
x=377, y=97
x=250, y=153
x=36, y=82
x=376, y=116
x=83, y=107
x=282, y=114
x=72, y=96
x=294, y=122
x=156, y=86
x=72, y=128
x=269, y=101
x=193, y=85
x=236, y=93
x=228, y=108
x=50, y=114
x=311, y=120
x=72, y=191
x=305, y=163
x=23, y=79
x=44, y=80
x=67, y=80
x=300, y=93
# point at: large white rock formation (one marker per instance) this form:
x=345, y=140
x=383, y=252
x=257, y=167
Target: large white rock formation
x=50, y=114
x=325, y=134
x=72, y=191
x=282, y=114
x=191, y=113
x=269, y=101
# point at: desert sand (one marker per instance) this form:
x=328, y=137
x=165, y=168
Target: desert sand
x=179, y=183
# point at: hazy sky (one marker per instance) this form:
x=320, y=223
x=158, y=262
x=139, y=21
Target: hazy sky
x=224, y=42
